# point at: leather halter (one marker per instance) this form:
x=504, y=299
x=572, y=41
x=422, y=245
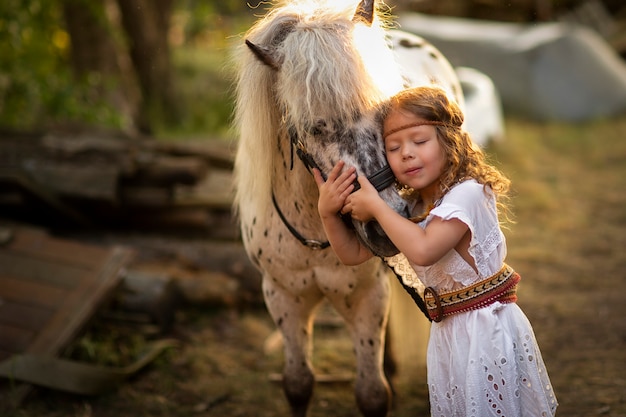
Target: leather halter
x=380, y=179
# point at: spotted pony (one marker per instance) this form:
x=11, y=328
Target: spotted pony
x=311, y=76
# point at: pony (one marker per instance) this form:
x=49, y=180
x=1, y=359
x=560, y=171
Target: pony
x=311, y=77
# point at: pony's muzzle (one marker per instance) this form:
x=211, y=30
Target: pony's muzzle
x=377, y=241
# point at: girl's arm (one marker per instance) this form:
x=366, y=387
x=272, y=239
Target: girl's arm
x=333, y=194
x=421, y=246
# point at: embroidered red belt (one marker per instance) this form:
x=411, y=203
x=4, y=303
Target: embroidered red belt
x=500, y=287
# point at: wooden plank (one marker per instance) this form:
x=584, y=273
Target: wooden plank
x=81, y=304
x=29, y=317
x=24, y=267
x=49, y=289
x=4, y=355
x=38, y=245
x=15, y=339
x=31, y=293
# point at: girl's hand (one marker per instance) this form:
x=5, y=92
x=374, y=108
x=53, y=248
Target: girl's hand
x=335, y=190
x=362, y=204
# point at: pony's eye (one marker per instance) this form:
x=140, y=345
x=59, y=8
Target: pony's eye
x=319, y=128
x=316, y=131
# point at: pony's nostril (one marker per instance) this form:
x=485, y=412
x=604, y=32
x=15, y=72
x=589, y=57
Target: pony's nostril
x=377, y=240
x=374, y=229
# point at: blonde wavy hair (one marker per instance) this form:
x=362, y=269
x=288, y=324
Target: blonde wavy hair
x=464, y=159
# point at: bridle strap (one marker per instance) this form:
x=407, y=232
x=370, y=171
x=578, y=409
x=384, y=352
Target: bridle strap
x=380, y=179
x=310, y=243
x=309, y=163
x=306, y=158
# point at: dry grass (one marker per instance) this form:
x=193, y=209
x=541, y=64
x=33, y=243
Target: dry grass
x=568, y=243
x=569, y=186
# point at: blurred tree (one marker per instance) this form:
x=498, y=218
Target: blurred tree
x=102, y=62
x=146, y=23
x=94, y=26
x=95, y=55
x=36, y=84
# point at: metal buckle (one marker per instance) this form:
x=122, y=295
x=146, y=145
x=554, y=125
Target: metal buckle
x=300, y=145
x=314, y=244
x=439, y=308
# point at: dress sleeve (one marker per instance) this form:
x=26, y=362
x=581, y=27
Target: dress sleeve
x=475, y=206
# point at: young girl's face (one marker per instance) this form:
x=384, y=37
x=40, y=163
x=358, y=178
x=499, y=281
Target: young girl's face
x=415, y=155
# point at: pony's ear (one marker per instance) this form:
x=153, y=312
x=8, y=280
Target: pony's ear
x=264, y=54
x=364, y=12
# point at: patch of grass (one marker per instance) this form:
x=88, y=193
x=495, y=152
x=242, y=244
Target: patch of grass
x=568, y=183
x=107, y=343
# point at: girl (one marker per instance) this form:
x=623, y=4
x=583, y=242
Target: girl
x=483, y=359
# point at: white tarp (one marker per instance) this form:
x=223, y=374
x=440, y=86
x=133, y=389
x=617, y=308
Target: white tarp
x=548, y=71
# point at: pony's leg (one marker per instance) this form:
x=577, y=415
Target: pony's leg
x=389, y=360
x=372, y=390
x=293, y=315
x=366, y=313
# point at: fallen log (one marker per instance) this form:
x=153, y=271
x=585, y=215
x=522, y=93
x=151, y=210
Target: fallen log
x=113, y=178
x=167, y=171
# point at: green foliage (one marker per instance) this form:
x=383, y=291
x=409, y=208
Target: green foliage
x=38, y=87
x=202, y=34
x=204, y=19
x=108, y=345
x=36, y=83
x=205, y=90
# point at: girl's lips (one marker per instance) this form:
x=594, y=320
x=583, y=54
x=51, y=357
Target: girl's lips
x=412, y=171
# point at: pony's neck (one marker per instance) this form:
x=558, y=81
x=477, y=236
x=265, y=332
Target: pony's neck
x=293, y=185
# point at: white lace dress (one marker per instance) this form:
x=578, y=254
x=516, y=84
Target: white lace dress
x=483, y=362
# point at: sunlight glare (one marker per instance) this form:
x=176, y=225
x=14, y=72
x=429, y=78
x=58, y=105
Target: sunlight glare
x=378, y=58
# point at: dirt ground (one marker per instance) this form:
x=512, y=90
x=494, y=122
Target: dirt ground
x=220, y=367
x=567, y=244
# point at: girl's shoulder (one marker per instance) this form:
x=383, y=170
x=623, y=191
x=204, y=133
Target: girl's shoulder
x=468, y=201
x=468, y=192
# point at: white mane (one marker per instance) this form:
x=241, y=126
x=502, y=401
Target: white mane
x=331, y=68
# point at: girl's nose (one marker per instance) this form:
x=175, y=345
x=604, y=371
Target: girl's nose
x=406, y=152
